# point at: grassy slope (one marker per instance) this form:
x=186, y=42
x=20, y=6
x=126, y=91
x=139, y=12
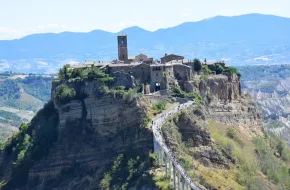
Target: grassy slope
x=26, y=91
x=250, y=170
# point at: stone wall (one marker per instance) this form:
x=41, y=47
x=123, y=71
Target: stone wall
x=182, y=72
x=141, y=73
x=124, y=79
x=221, y=87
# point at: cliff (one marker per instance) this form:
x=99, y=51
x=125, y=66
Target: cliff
x=91, y=137
x=221, y=143
x=91, y=131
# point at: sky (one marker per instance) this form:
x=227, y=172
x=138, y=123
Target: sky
x=19, y=18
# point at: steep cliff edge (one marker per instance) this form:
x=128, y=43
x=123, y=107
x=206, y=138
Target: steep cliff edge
x=79, y=138
x=221, y=143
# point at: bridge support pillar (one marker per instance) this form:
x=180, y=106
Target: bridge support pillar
x=161, y=156
x=169, y=166
x=166, y=162
x=178, y=180
x=182, y=180
x=174, y=176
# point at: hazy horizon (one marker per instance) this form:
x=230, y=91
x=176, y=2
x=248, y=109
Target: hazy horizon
x=33, y=16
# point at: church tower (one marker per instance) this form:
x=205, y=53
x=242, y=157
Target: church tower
x=122, y=47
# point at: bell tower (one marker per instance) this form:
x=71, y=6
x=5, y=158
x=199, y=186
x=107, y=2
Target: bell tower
x=122, y=47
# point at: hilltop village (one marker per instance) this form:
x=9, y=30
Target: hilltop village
x=155, y=75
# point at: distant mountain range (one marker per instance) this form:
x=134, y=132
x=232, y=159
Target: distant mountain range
x=240, y=40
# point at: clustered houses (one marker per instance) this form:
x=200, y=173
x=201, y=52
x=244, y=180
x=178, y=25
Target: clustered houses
x=152, y=75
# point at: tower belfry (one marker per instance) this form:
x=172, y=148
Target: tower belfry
x=122, y=47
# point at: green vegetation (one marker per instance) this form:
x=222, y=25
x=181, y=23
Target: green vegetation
x=159, y=106
x=264, y=72
x=275, y=169
x=204, y=77
x=80, y=74
x=64, y=94
x=37, y=86
x=9, y=92
x=35, y=90
x=206, y=69
x=255, y=163
x=218, y=68
x=177, y=92
x=274, y=124
x=197, y=65
x=10, y=118
x=251, y=161
x=231, y=69
x=126, y=172
x=232, y=134
x=162, y=182
x=31, y=143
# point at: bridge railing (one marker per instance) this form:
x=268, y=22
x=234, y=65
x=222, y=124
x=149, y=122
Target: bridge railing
x=168, y=153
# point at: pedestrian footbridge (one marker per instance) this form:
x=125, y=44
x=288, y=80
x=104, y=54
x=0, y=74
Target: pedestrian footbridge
x=166, y=158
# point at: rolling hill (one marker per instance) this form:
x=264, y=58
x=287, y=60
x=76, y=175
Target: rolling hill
x=245, y=39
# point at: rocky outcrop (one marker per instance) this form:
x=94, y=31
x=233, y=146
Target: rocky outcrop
x=224, y=104
x=225, y=88
x=92, y=131
x=190, y=129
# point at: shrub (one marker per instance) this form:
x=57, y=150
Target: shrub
x=205, y=68
x=64, y=94
x=185, y=163
x=231, y=69
x=219, y=69
x=283, y=151
x=275, y=169
x=159, y=106
x=197, y=65
x=232, y=133
x=204, y=77
x=77, y=72
x=126, y=168
x=130, y=95
x=163, y=183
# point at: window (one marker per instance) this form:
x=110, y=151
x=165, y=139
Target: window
x=157, y=74
x=123, y=56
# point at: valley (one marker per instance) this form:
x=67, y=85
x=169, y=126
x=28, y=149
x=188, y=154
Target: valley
x=21, y=96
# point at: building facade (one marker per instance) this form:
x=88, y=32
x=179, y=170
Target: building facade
x=122, y=48
x=170, y=57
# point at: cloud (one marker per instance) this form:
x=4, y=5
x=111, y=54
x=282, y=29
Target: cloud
x=8, y=33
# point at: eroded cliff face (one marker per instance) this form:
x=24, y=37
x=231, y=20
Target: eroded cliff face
x=225, y=102
x=225, y=88
x=92, y=131
x=199, y=136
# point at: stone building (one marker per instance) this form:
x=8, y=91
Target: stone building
x=142, y=70
x=170, y=57
x=122, y=48
x=182, y=72
x=161, y=76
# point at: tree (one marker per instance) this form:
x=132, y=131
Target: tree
x=219, y=69
x=197, y=65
